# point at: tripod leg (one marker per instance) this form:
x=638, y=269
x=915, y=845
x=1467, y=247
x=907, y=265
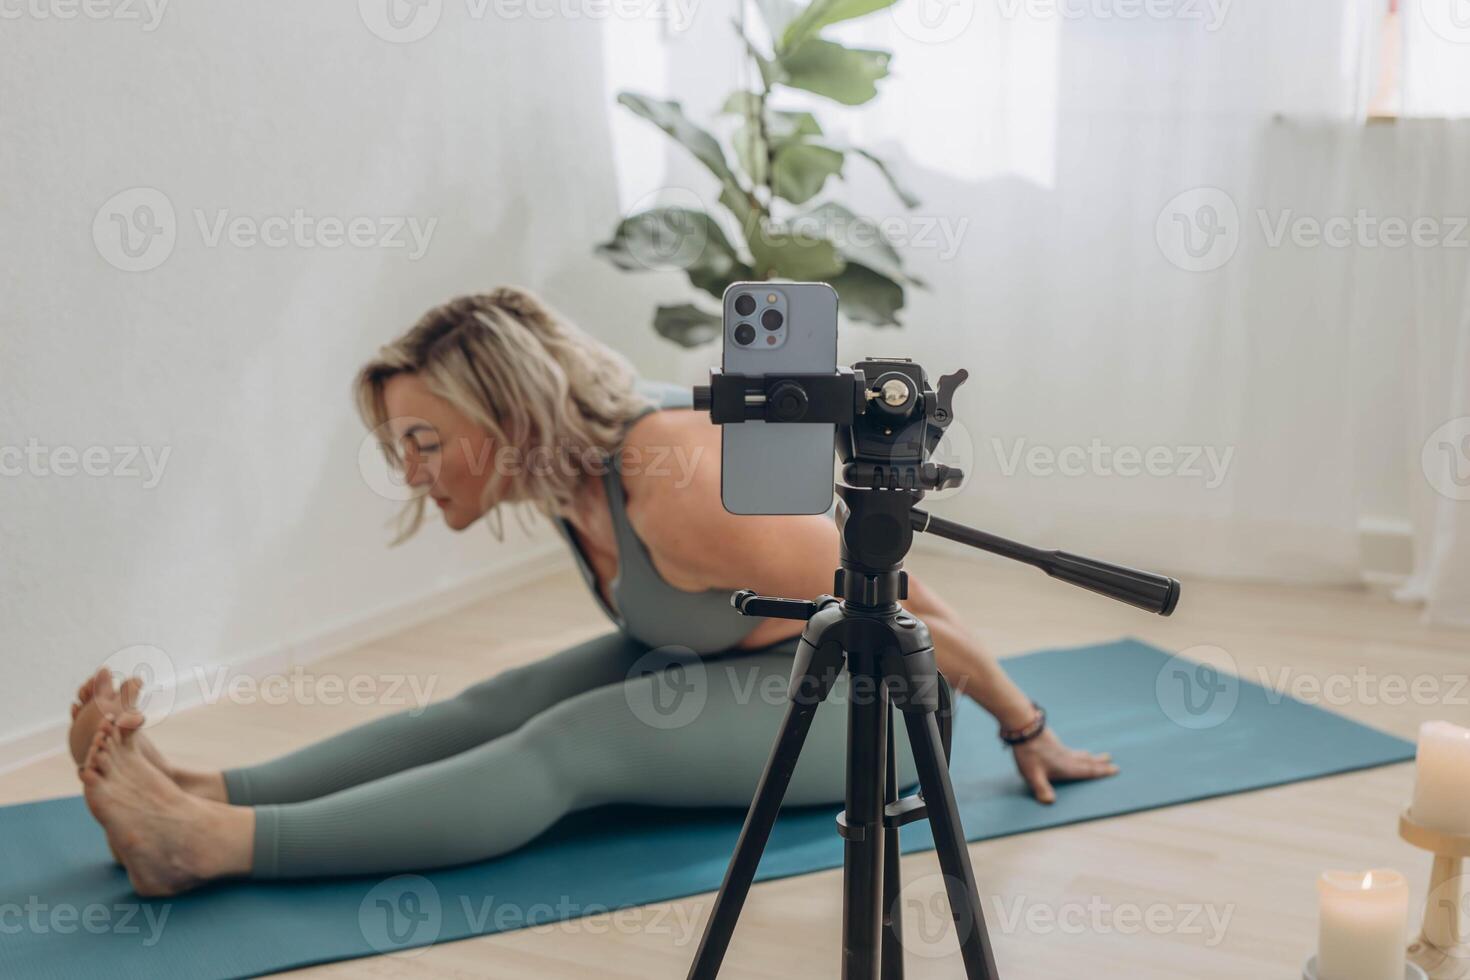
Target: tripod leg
x=892, y=966
x=753, y=836
x=867, y=737
x=949, y=842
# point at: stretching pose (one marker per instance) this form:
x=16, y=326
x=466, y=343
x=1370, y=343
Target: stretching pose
x=493, y=399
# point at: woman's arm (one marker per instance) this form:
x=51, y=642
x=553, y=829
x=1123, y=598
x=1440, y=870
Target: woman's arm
x=971, y=670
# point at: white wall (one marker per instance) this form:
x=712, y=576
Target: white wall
x=236, y=361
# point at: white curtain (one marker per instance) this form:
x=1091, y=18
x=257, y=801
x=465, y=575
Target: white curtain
x=1436, y=68
x=1117, y=230
x=1439, y=359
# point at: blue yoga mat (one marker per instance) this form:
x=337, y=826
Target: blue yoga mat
x=1178, y=731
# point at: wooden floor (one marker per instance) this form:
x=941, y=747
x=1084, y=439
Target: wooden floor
x=1228, y=885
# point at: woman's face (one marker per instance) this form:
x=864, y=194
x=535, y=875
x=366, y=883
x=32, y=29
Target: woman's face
x=442, y=449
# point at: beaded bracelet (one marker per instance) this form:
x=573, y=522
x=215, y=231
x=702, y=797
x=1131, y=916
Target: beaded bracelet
x=1020, y=736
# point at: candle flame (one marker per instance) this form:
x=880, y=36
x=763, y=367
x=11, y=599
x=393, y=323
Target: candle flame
x=1368, y=881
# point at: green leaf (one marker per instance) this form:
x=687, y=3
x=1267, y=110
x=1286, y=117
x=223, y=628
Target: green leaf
x=801, y=169
x=751, y=151
x=793, y=255
x=742, y=207
x=669, y=116
x=686, y=324
x=859, y=240
x=782, y=125
x=845, y=75
x=819, y=13
x=676, y=238
x=771, y=71
x=904, y=195
x=868, y=296
x=740, y=103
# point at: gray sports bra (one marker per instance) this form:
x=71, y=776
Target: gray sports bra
x=649, y=609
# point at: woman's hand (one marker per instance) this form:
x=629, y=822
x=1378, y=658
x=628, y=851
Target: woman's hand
x=1045, y=760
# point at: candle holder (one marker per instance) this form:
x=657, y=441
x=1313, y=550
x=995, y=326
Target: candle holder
x=1443, y=947
x=1411, y=972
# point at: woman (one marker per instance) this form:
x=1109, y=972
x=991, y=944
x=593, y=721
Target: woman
x=493, y=399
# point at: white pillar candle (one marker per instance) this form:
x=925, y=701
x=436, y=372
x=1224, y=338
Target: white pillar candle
x=1442, y=786
x=1364, y=925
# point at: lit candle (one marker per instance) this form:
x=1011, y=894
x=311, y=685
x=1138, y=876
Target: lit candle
x=1364, y=925
x=1442, y=789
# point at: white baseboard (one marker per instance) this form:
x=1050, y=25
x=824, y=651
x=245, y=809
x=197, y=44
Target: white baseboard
x=1387, y=547
x=542, y=559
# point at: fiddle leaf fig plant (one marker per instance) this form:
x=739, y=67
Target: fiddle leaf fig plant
x=776, y=219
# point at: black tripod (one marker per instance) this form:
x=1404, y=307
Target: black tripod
x=886, y=430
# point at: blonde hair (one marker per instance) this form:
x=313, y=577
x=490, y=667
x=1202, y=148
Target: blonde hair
x=523, y=373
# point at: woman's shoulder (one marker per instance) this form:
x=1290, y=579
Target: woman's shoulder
x=670, y=459
x=668, y=429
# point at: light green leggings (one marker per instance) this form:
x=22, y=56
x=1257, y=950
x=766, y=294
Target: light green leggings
x=480, y=774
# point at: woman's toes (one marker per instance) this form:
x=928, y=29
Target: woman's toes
x=102, y=684
x=129, y=691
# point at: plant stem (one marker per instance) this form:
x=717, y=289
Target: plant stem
x=763, y=131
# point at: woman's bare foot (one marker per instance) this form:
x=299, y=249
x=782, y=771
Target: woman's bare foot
x=98, y=698
x=168, y=840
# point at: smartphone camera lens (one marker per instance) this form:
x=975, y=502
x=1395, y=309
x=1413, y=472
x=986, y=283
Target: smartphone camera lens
x=745, y=304
x=772, y=319
x=744, y=333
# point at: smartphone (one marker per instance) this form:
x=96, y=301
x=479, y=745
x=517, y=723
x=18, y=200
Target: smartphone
x=778, y=328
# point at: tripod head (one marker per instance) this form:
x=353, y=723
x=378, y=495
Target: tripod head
x=889, y=422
